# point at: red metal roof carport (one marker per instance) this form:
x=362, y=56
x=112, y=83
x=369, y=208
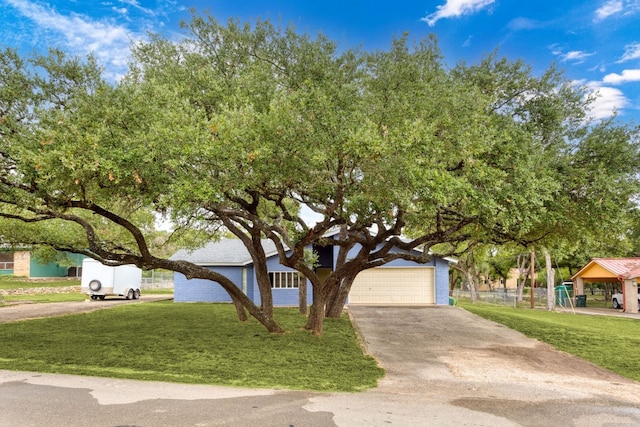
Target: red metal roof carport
x=623, y=270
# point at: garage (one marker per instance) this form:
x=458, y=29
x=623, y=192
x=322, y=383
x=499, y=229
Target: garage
x=408, y=286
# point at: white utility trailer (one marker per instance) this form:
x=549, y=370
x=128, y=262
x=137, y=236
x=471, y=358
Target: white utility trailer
x=99, y=280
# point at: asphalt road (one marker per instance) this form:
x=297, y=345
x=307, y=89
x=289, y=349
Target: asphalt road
x=445, y=367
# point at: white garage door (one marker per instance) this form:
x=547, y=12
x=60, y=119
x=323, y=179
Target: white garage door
x=393, y=286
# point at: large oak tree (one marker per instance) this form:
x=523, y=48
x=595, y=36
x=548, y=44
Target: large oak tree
x=237, y=126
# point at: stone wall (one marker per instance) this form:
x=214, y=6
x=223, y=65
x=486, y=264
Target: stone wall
x=42, y=290
x=22, y=264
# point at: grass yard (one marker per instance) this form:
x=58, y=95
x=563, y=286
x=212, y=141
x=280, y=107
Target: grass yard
x=610, y=342
x=191, y=343
x=161, y=291
x=43, y=298
x=12, y=282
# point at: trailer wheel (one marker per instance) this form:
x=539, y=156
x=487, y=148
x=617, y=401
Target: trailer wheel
x=136, y=294
x=95, y=285
x=130, y=294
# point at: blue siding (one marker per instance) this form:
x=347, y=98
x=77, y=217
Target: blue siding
x=289, y=297
x=199, y=290
x=442, y=281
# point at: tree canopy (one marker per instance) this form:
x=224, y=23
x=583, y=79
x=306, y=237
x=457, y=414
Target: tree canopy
x=239, y=125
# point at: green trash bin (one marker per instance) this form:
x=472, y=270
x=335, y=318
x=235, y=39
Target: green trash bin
x=581, y=300
x=563, y=293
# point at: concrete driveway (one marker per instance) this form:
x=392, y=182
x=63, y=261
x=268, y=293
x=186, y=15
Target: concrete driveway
x=445, y=367
x=450, y=367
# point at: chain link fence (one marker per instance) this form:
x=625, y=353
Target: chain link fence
x=563, y=298
x=157, y=279
x=504, y=296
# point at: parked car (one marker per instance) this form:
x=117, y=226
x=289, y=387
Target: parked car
x=616, y=300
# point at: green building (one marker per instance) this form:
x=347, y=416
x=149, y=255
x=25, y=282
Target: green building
x=24, y=264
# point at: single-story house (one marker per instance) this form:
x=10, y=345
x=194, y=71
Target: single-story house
x=511, y=282
x=623, y=270
x=22, y=263
x=398, y=282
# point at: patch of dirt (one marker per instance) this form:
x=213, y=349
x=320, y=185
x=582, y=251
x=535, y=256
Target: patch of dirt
x=545, y=358
x=34, y=311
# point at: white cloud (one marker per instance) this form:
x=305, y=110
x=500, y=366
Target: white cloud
x=616, y=7
x=455, y=8
x=576, y=56
x=136, y=4
x=519, y=24
x=631, y=51
x=120, y=10
x=108, y=41
x=611, y=7
x=625, y=77
x=608, y=100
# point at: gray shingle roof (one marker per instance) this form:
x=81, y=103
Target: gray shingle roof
x=225, y=252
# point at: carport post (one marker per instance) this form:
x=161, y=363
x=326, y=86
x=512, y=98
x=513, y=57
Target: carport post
x=578, y=286
x=630, y=295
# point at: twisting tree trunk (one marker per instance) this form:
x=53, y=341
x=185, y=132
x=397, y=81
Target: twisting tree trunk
x=339, y=298
x=316, y=312
x=302, y=297
x=319, y=289
x=251, y=236
x=240, y=311
x=551, y=277
x=467, y=268
x=532, y=268
x=340, y=291
x=522, y=267
x=192, y=271
x=472, y=280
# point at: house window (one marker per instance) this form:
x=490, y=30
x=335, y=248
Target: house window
x=285, y=279
x=6, y=261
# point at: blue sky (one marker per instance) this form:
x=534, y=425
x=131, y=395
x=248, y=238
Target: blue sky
x=597, y=42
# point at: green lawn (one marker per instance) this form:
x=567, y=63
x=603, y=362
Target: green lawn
x=163, y=291
x=11, y=282
x=191, y=343
x=610, y=342
x=43, y=298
